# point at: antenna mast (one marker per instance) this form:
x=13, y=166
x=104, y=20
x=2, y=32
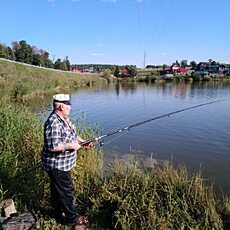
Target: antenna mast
x=144, y=59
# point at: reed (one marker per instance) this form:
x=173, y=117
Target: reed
x=21, y=138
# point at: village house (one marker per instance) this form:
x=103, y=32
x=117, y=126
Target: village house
x=124, y=72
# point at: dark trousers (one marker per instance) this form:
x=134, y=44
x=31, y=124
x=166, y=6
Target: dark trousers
x=62, y=193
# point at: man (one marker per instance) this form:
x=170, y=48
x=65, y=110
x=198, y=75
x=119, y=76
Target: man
x=59, y=154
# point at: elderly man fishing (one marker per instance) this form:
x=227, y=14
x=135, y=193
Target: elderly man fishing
x=59, y=155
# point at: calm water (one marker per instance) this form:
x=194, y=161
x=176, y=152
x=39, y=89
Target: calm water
x=198, y=138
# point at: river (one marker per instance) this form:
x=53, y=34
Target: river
x=198, y=138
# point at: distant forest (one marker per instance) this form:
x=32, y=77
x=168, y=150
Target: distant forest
x=23, y=52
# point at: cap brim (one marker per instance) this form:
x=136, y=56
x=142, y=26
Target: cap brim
x=67, y=102
x=64, y=102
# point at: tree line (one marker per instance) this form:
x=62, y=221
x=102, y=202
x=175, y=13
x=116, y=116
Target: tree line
x=23, y=52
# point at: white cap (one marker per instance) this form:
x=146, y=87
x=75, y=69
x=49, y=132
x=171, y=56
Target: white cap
x=63, y=98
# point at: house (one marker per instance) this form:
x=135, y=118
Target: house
x=181, y=70
x=124, y=72
x=214, y=69
x=174, y=67
x=225, y=68
x=202, y=66
x=75, y=69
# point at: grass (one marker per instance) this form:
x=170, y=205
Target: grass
x=26, y=82
x=125, y=196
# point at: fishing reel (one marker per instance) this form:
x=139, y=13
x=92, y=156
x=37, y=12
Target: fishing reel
x=101, y=142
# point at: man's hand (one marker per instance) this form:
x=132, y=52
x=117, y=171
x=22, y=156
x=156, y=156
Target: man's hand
x=87, y=145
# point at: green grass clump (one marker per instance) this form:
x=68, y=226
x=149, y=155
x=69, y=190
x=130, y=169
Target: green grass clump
x=21, y=138
x=162, y=198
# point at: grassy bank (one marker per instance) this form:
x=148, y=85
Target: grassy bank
x=124, y=196
x=18, y=81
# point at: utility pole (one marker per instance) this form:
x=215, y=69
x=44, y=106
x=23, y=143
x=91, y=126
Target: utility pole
x=144, y=59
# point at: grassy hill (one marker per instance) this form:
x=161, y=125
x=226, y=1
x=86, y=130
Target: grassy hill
x=19, y=81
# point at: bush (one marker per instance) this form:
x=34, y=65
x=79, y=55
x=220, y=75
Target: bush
x=195, y=76
x=206, y=78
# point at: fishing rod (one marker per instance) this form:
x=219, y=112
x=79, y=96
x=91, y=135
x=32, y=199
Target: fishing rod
x=127, y=128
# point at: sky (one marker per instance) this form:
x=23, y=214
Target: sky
x=120, y=32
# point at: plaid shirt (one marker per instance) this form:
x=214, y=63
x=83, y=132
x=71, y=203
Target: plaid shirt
x=56, y=132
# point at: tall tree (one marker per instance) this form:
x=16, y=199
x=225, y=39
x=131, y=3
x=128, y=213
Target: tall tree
x=24, y=52
x=67, y=62
x=193, y=64
x=184, y=63
x=132, y=71
x=3, y=51
x=116, y=71
x=57, y=64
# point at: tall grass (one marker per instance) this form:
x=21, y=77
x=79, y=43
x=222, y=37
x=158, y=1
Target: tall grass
x=162, y=198
x=21, y=138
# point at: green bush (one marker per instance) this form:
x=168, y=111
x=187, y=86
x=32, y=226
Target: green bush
x=206, y=78
x=195, y=76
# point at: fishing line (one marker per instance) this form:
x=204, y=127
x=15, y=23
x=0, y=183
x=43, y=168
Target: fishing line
x=127, y=128
x=113, y=139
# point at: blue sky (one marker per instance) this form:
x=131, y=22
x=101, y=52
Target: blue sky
x=120, y=31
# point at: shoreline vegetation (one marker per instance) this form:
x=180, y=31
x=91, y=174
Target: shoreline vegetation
x=122, y=196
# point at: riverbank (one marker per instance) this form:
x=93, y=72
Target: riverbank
x=20, y=82
x=125, y=196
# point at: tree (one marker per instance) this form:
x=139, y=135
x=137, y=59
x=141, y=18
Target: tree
x=60, y=65
x=57, y=64
x=213, y=63
x=67, y=62
x=164, y=67
x=3, y=51
x=193, y=64
x=116, y=71
x=132, y=71
x=24, y=53
x=184, y=63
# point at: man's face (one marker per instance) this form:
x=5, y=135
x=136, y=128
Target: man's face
x=66, y=110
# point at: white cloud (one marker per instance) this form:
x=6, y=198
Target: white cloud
x=51, y=1
x=98, y=54
x=113, y=1
x=163, y=54
x=140, y=1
